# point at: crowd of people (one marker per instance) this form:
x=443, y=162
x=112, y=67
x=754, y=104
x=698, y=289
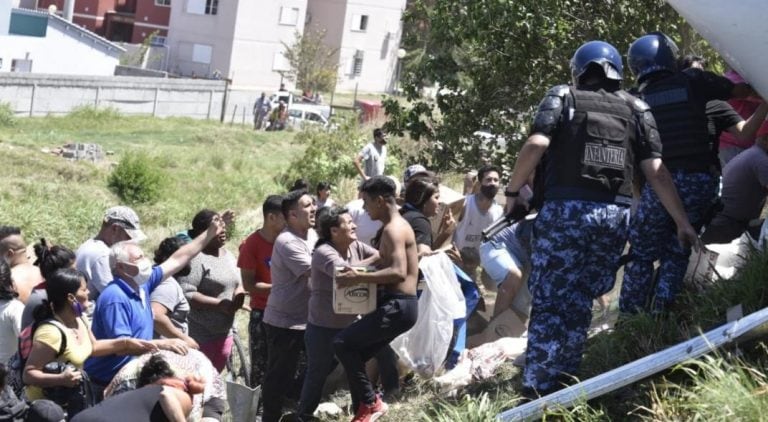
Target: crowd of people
x=602, y=167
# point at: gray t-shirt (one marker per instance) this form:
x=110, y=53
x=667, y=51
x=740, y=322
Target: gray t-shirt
x=374, y=158
x=213, y=276
x=92, y=259
x=35, y=299
x=745, y=179
x=288, y=300
x=324, y=259
x=170, y=294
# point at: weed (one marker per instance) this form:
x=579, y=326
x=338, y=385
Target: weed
x=7, y=116
x=137, y=179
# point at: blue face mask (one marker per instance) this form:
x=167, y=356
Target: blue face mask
x=77, y=308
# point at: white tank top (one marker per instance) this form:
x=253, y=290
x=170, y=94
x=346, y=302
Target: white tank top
x=469, y=230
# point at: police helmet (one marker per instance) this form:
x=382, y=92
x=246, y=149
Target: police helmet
x=600, y=53
x=651, y=53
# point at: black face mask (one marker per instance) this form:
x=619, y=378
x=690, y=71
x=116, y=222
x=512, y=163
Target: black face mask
x=489, y=191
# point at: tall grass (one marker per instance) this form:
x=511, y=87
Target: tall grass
x=718, y=389
x=206, y=165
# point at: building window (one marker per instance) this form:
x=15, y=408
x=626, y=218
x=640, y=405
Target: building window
x=158, y=40
x=359, y=23
x=21, y=65
x=289, y=16
x=202, y=53
x=162, y=2
x=203, y=7
x=211, y=7
x=357, y=63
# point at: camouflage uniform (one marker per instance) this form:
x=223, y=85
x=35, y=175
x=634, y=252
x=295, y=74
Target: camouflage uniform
x=576, y=252
x=653, y=236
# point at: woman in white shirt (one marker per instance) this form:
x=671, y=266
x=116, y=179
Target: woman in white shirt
x=10, y=314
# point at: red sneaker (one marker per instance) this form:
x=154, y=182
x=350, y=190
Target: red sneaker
x=370, y=412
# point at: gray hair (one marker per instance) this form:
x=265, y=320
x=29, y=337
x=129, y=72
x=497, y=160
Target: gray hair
x=119, y=253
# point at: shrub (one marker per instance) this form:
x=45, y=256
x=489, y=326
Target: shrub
x=7, y=117
x=329, y=155
x=137, y=179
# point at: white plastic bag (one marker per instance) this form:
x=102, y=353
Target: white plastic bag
x=424, y=347
x=243, y=401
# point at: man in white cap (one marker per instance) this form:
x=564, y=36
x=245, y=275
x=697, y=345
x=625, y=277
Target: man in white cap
x=120, y=223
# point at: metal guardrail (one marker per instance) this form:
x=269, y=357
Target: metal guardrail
x=637, y=370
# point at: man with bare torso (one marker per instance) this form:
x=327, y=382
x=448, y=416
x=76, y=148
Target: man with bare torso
x=397, y=306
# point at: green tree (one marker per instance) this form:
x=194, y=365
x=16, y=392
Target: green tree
x=313, y=64
x=494, y=60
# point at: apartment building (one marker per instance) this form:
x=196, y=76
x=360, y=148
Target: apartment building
x=366, y=34
x=119, y=20
x=239, y=39
x=244, y=39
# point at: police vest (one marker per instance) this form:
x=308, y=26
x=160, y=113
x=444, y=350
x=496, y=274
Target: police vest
x=682, y=123
x=600, y=133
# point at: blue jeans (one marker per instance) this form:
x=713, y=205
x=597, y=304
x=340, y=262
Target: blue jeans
x=320, y=362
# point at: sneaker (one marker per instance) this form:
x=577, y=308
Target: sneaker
x=370, y=412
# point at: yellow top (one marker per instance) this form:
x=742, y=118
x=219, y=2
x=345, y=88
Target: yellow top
x=76, y=353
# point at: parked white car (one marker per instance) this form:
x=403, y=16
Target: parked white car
x=299, y=115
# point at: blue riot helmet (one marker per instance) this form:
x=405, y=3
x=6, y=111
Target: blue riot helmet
x=598, y=53
x=652, y=53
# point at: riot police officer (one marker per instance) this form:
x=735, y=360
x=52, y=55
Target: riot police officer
x=678, y=101
x=591, y=136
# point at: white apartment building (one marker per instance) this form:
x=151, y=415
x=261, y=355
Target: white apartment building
x=367, y=36
x=243, y=39
x=239, y=39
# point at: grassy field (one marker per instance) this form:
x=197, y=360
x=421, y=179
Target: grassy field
x=206, y=164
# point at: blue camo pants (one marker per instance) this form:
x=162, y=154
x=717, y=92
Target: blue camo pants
x=576, y=251
x=653, y=236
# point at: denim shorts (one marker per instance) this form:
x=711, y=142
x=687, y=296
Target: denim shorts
x=498, y=257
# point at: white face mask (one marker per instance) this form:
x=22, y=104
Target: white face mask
x=145, y=271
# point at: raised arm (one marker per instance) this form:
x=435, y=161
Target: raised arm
x=747, y=129
x=184, y=254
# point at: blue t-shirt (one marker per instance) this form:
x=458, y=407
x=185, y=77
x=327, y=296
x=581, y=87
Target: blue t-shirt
x=121, y=312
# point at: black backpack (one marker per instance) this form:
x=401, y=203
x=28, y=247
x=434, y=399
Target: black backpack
x=19, y=359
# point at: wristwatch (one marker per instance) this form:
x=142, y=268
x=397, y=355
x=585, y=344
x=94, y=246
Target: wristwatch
x=510, y=194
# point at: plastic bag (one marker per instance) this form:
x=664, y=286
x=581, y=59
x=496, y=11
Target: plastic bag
x=243, y=401
x=425, y=346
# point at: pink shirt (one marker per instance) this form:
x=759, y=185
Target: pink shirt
x=745, y=108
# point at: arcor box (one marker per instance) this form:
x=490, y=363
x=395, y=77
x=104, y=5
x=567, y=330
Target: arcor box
x=357, y=299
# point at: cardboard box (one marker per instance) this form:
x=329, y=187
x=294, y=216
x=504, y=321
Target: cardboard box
x=357, y=299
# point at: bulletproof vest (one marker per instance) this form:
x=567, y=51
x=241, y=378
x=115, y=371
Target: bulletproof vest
x=682, y=123
x=600, y=133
